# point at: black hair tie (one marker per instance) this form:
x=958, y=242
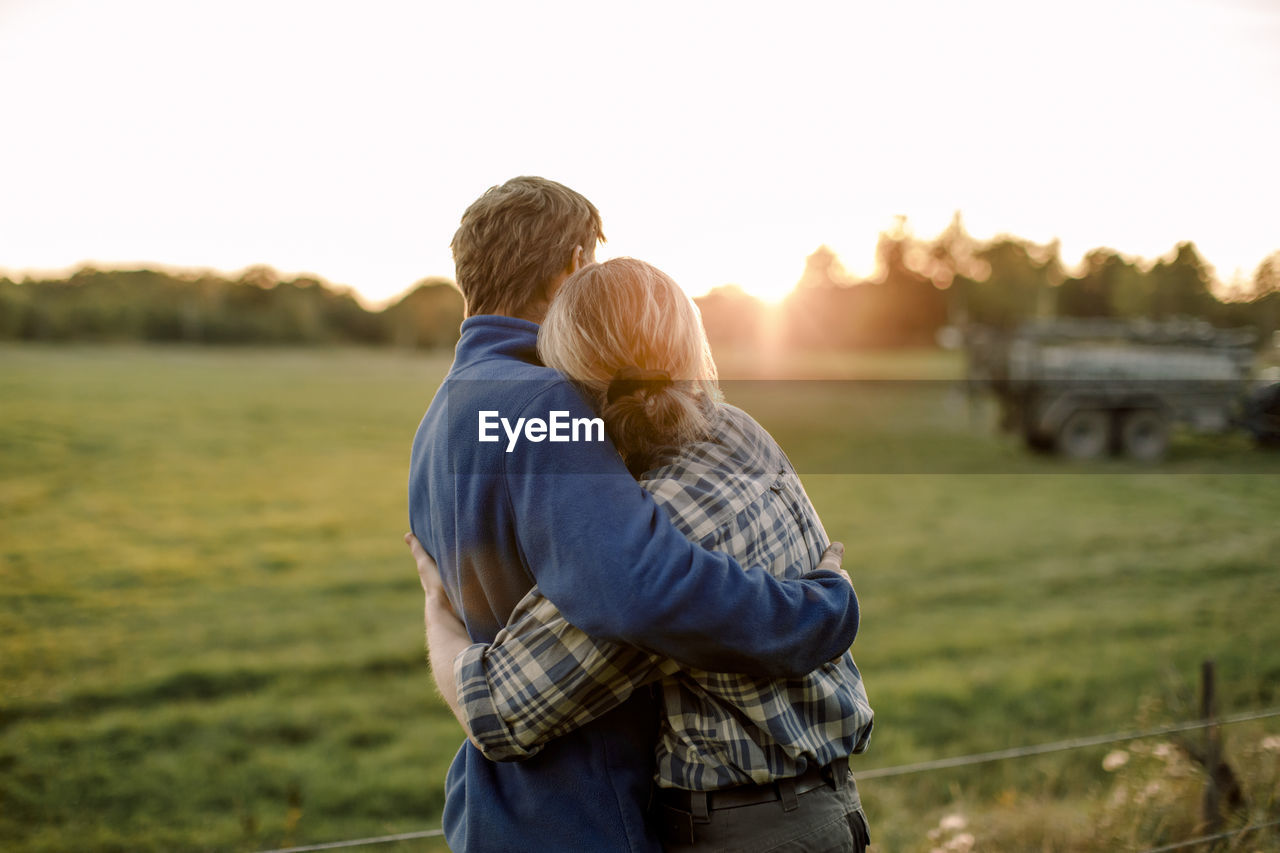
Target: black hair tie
x=631, y=379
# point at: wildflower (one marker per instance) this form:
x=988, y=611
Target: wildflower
x=1115, y=759
x=962, y=843
x=1165, y=752
x=1271, y=743
x=1149, y=792
x=953, y=823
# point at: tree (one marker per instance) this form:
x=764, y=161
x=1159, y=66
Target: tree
x=908, y=306
x=822, y=311
x=1182, y=285
x=1108, y=286
x=428, y=316
x=732, y=317
x=1017, y=285
x=1266, y=278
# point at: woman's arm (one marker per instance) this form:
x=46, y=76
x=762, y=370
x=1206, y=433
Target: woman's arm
x=541, y=677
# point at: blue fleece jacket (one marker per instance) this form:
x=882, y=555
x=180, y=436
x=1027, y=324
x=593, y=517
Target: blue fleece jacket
x=569, y=517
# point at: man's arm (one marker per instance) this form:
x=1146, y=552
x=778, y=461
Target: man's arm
x=446, y=639
x=446, y=635
x=603, y=550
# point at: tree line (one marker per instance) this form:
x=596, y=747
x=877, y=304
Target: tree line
x=256, y=307
x=921, y=286
x=954, y=280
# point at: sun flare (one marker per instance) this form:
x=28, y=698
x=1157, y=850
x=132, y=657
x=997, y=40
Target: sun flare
x=771, y=293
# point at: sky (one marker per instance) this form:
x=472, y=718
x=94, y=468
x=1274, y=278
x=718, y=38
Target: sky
x=722, y=141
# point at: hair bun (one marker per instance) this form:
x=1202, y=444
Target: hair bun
x=631, y=379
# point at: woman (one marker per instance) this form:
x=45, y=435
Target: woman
x=742, y=763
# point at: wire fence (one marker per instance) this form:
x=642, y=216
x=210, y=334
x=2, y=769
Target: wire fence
x=1062, y=745
x=1210, y=839
x=360, y=842
x=944, y=764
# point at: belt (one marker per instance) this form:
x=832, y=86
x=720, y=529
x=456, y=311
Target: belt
x=701, y=803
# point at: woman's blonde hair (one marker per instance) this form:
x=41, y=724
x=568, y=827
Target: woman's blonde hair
x=626, y=333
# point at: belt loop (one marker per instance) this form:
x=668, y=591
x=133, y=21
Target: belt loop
x=699, y=807
x=787, y=792
x=676, y=826
x=838, y=773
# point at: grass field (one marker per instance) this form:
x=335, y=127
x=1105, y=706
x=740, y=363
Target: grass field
x=210, y=632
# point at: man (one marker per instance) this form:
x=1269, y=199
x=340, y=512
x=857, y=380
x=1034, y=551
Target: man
x=503, y=511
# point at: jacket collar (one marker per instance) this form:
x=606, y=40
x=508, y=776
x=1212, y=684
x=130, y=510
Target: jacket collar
x=486, y=336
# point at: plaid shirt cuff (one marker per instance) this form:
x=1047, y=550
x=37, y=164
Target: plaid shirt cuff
x=496, y=740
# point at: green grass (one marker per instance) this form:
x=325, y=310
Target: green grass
x=210, y=632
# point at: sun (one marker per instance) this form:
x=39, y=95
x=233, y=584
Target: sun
x=770, y=292
x=770, y=280
x=767, y=273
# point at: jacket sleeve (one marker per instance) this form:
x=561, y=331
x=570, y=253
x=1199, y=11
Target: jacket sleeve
x=608, y=556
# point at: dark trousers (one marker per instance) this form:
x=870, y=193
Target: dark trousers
x=825, y=819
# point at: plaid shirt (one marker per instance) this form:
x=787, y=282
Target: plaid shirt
x=542, y=677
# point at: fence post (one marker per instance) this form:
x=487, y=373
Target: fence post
x=1211, y=802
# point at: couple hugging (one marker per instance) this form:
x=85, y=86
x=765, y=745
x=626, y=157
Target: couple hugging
x=646, y=638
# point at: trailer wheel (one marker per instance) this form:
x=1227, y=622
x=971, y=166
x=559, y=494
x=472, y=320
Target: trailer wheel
x=1144, y=435
x=1084, y=434
x=1262, y=416
x=1036, y=441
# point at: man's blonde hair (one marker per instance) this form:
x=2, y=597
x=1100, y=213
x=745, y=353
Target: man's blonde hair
x=625, y=315
x=516, y=239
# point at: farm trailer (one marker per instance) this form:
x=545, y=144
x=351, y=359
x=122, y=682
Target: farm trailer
x=1088, y=387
